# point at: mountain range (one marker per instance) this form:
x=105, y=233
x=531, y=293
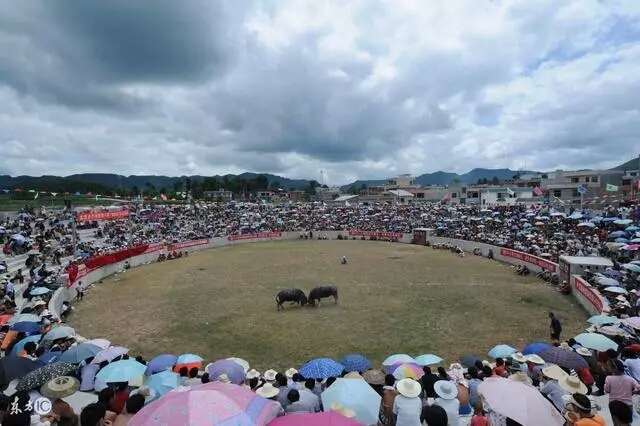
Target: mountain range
x=171, y=182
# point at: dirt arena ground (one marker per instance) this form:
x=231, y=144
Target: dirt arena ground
x=394, y=298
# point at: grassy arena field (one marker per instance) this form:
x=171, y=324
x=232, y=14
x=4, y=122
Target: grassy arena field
x=394, y=298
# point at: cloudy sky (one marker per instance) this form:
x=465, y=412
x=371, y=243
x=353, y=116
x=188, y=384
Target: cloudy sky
x=358, y=88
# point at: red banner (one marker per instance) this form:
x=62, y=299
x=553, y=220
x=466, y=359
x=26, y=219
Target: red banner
x=154, y=247
x=530, y=259
x=254, y=236
x=588, y=293
x=187, y=244
x=377, y=234
x=77, y=272
x=98, y=216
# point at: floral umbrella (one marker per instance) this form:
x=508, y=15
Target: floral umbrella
x=39, y=377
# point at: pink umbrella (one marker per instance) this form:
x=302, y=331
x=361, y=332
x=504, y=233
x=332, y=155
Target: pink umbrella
x=406, y=370
x=211, y=404
x=329, y=418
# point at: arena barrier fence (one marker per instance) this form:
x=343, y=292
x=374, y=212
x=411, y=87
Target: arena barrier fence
x=587, y=296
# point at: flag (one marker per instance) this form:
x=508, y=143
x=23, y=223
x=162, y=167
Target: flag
x=36, y=196
x=537, y=191
x=611, y=188
x=558, y=200
x=446, y=198
x=510, y=192
x=53, y=194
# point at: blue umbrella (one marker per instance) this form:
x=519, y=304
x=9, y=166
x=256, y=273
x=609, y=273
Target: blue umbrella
x=622, y=240
x=428, y=359
x=49, y=358
x=357, y=395
x=26, y=327
x=622, y=222
x=609, y=282
x=163, y=382
x=188, y=359
x=231, y=369
x=617, y=234
x=469, y=360
x=39, y=291
x=596, y=341
x=355, y=363
x=121, y=371
x=612, y=273
x=394, y=359
x=534, y=348
x=58, y=333
x=502, y=351
x=631, y=267
x=77, y=354
x=35, y=338
x=321, y=368
x=602, y=320
x=631, y=228
x=161, y=363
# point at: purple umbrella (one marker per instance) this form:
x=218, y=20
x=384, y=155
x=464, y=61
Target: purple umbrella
x=161, y=363
x=231, y=369
x=563, y=357
x=534, y=348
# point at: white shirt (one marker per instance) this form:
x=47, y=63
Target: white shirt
x=452, y=407
x=407, y=410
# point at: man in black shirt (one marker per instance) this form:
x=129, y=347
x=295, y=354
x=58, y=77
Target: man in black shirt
x=555, y=327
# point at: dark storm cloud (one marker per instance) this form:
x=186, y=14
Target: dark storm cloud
x=80, y=53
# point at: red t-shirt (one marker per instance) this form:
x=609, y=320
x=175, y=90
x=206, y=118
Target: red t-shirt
x=499, y=371
x=479, y=420
x=119, y=401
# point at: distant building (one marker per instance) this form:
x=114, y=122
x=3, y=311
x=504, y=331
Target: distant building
x=563, y=186
x=505, y=196
x=401, y=182
x=219, y=194
x=401, y=196
x=345, y=200
x=327, y=194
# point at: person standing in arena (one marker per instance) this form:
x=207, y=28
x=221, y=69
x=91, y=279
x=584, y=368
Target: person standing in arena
x=555, y=326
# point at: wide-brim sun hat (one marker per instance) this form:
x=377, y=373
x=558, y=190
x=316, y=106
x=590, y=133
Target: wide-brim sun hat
x=374, y=377
x=270, y=375
x=60, y=387
x=353, y=375
x=572, y=385
x=267, y=390
x=290, y=372
x=583, y=352
x=445, y=389
x=253, y=373
x=554, y=372
x=522, y=378
x=536, y=359
x=409, y=388
x=518, y=357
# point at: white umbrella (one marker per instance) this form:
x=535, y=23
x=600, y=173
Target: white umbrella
x=520, y=402
x=617, y=290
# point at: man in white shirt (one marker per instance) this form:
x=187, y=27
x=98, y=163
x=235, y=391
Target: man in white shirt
x=447, y=392
x=308, y=397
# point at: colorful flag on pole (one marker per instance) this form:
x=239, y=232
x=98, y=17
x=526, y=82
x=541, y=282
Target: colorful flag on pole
x=511, y=192
x=36, y=196
x=612, y=188
x=537, y=191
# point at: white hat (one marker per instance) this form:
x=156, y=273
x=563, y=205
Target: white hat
x=409, y=388
x=40, y=303
x=535, y=359
x=518, y=357
x=583, y=351
x=554, y=372
x=621, y=298
x=270, y=375
x=222, y=378
x=253, y=373
x=290, y=372
x=564, y=345
x=347, y=412
x=446, y=389
x=267, y=390
x=521, y=377
x=572, y=385
x=353, y=375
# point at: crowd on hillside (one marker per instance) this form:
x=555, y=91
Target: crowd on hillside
x=44, y=358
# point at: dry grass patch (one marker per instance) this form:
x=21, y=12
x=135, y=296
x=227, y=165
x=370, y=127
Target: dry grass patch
x=393, y=298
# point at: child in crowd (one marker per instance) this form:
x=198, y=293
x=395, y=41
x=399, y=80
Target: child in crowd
x=479, y=418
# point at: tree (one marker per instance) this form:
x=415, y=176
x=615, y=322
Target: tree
x=544, y=176
x=352, y=190
x=135, y=190
x=311, y=188
x=275, y=185
x=495, y=180
x=455, y=181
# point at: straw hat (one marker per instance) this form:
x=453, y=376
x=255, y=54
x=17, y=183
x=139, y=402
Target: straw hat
x=148, y=393
x=572, y=385
x=60, y=387
x=290, y=372
x=518, y=357
x=583, y=351
x=374, y=377
x=621, y=298
x=223, y=378
x=521, y=377
x=353, y=375
x=535, y=359
x=270, y=375
x=554, y=372
x=409, y=388
x=339, y=408
x=446, y=389
x=267, y=390
x=252, y=374
x=565, y=345
x=39, y=303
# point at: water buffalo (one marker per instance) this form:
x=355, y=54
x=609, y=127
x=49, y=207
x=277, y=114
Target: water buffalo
x=321, y=292
x=293, y=295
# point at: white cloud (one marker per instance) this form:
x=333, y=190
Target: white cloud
x=360, y=89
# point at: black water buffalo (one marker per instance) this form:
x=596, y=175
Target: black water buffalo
x=321, y=292
x=293, y=295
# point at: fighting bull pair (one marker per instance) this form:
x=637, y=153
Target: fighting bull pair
x=297, y=296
